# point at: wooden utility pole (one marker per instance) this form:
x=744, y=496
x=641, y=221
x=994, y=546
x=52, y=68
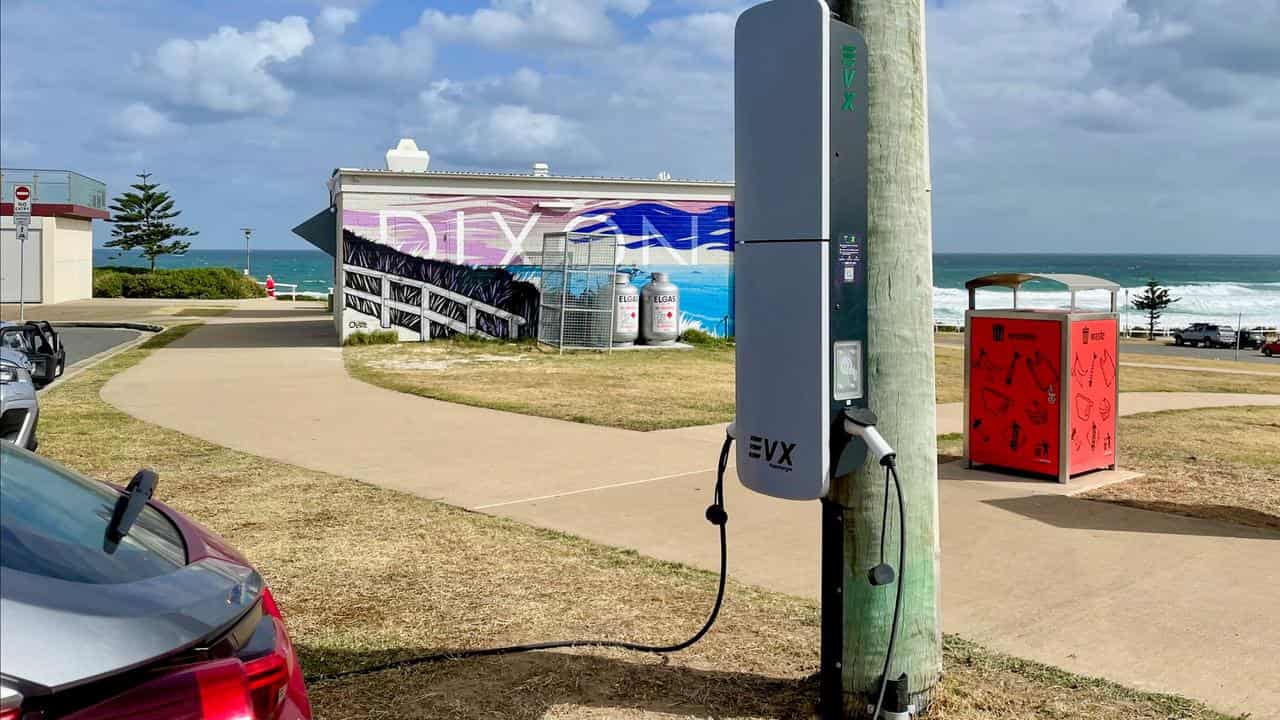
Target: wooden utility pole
x=900, y=361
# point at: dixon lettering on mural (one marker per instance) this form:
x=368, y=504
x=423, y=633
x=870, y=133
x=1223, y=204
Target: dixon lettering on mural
x=505, y=230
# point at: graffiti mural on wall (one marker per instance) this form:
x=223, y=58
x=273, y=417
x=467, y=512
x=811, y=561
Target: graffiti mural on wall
x=496, y=304
x=690, y=240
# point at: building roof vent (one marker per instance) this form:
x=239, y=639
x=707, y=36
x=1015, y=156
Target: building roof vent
x=541, y=170
x=664, y=176
x=406, y=157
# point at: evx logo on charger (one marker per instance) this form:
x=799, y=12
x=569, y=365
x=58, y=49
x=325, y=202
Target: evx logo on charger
x=777, y=453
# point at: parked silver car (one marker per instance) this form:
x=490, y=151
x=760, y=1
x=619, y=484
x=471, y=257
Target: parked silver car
x=114, y=606
x=19, y=406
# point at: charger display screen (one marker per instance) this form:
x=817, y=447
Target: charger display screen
x=847, y=362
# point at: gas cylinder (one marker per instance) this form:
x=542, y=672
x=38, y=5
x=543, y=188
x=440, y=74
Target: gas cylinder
x=626, y=312
x=659, y=311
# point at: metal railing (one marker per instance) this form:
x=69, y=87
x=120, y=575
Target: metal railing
x=386, y=304
x=293, y=294
x=55, y=186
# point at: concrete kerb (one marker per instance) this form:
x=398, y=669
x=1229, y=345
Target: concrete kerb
x=145, y=327
x=105, y=355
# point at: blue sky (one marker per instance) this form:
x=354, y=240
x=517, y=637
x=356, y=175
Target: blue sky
x=1057, y=125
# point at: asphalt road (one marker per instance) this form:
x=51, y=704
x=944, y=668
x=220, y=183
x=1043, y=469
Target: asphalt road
x=1158, y=347
x=83, y=343
x=1165, y=348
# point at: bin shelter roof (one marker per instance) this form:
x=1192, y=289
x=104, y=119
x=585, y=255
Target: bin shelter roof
x=1074, y=283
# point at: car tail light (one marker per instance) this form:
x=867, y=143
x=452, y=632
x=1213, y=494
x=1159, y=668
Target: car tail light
x=275, y=676
x=268, y=675
x=209, y=691
x=258, y=685
x=10, y=703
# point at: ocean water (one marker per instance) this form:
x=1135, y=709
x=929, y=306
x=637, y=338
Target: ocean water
x=1216, y=288
x=312, y=270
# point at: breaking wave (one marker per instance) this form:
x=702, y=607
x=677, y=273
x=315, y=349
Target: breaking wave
x=1249, y=303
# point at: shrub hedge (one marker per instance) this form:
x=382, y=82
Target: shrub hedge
x=195, y=283
x=377, y=337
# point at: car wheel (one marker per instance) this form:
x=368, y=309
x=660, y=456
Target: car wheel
x=1266, y=351
x=62, y=365
x=1177, y=340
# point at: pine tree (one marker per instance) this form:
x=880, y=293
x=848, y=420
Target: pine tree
x=1153, y=301
x=141, y=221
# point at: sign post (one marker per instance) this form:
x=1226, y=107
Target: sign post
x=21, y=221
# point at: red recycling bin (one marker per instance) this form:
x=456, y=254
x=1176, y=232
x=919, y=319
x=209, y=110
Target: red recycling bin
x=1041, y=386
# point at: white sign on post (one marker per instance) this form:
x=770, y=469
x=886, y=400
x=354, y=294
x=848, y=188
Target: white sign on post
x=22, y=205
x=21, y=219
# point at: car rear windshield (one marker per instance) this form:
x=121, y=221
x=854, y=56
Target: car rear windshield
x=53, y=523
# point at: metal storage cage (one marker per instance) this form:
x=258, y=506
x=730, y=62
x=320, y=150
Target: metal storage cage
x=576, y=302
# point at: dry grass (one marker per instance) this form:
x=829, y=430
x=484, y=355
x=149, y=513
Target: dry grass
x=649, y=390
x=1270, y=368
x=1219, y=463
x=365, y=575
x=1146, y=379
x=950, y=371
x=636, y=389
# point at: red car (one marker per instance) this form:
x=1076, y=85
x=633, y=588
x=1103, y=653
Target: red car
x=1271, y=348
x=115, y=606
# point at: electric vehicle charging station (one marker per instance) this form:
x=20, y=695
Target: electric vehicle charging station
x=800, y=253
x=802, y=416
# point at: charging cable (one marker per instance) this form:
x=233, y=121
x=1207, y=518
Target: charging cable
x=715, y=514
x=861, y=423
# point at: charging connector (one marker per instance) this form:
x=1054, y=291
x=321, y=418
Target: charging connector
x=861, y=423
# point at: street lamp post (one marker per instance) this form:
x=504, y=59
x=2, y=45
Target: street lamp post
x=248, y=231
x=1127, y=330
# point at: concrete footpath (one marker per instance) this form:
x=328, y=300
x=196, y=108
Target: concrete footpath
x=1153, y=601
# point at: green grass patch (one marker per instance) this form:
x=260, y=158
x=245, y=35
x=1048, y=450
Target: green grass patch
x=702, y=338
x=168, y=335
x=377, y=337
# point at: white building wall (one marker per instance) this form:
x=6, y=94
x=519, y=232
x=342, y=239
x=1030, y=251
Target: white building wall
x=68, y=260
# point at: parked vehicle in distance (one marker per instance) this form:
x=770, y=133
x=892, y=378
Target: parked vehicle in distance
x=1206, y=335
x=113, y=605
x=19, y=405
x=1271, y=348
x=41, y=344
x=1249, y=339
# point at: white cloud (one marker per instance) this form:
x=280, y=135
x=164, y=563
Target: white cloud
x=477, y=124
x=530, y=23
x=140, y=120
x=230, y=71
x=709, y=32
x=366, y=68
x=336, y=19
x=1208, y=55
x=516, y=130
